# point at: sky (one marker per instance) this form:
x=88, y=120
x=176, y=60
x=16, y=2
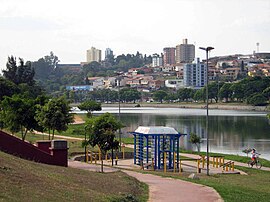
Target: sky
x=30, y=29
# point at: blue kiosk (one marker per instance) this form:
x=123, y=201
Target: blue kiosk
x=153, y=143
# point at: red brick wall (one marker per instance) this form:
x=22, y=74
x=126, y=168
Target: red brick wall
x=16, y=146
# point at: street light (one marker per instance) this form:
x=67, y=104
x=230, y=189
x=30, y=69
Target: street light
x=207, y=50
x=85, y=157
x=119, y=118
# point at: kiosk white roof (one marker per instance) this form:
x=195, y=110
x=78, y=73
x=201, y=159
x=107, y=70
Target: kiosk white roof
x=156, y=130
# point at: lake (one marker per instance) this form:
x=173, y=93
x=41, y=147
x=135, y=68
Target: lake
x=229, y=131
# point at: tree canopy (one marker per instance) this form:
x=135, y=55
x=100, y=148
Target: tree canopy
x=23, y=73
x=102, y=132
x=90, y=106
x=54, y=115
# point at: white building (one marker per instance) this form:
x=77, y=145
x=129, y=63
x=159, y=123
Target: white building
x=174, y=83
x=194, y=74
x=157, y=61
x=93, y=54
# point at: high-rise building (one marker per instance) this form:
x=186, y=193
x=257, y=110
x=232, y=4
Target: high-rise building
x=169, y=56
x=157, y=61
x=185, y=53
x=108, y=53
x=194, y=74
x=93, y=54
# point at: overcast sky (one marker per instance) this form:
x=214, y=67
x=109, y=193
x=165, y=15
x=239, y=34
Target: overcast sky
x=30, y=29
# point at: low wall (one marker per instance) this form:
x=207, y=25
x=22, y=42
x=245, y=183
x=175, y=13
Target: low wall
x=15, y=146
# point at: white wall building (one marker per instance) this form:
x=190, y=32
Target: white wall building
x=194, y=74
x=174, y=83
x=93, y=54
x=157, y=61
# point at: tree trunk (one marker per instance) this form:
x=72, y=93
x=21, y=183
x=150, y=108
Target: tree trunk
x=53, y=134
x=112, y=157
x=24, y=136
x=101, y=165
x=49, y=134
x=22, y=133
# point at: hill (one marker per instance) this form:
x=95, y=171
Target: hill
x=23, y=180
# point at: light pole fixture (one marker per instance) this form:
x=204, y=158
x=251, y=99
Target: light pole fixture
x=85, y=153
x=207, y=50
x=119, y=112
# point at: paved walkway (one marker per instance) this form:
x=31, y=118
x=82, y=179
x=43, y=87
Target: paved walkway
x=174, y=190
x=160, y=189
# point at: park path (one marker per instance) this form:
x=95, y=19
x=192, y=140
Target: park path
x=174, y=190
x=162, y=189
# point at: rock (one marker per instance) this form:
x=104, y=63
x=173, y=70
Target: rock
x=193, y=176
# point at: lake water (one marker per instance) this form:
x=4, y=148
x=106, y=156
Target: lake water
x=229, y=131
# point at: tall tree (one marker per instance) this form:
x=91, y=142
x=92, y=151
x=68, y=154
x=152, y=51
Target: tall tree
x=225, y=92
x=23, y=73
x=102, y=133
x=54, y=115
x=7, y=88
x=18, y=114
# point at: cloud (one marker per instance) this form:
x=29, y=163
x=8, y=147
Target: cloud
x=28, y=24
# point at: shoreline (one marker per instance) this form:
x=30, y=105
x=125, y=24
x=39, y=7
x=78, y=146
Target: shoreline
x=194, y=106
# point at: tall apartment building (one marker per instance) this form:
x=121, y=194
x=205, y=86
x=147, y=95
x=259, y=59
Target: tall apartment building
x=157, y=61
x=93, y=54
x=185, y=53
x=169, y=56
x=194, y=74
x=108, y=52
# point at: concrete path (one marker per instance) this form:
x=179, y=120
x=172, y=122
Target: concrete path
x=161, y=189
x=90, y=167
x=174, y=190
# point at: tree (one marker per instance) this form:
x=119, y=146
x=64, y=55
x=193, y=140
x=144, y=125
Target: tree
x=199, y=95
x=266, y=92
x=256, y=99
x=18, y=114
x=102, y=133
x=225, y=92
x=184, y=94
x=54, y=115
x=129, y=94
x=159, y=95
x=7, y=88
x=90, y=106
x=23, y=73
x=194, y=139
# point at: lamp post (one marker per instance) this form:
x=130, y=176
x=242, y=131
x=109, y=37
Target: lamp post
x=207, y=136
x=118, y=83
x=85, y=157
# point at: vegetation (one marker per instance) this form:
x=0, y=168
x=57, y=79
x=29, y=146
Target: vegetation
x=90, y=106
x=195, y=139
x=54, y=115
x=18, y=114
x=102, y=132
x=23, y=180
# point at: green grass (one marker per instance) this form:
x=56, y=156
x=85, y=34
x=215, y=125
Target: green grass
x=232, y=187
x=243, y=159
x=23, y=180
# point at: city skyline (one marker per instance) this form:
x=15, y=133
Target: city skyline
x=31, y=29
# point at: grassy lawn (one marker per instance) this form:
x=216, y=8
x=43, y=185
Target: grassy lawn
x=23, y=180
x=232, y=187
x=243, y=159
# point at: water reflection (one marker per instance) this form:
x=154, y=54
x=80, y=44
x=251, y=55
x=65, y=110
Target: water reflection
x=229, y=131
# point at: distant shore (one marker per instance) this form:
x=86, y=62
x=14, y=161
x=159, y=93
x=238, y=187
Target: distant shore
x=221, y=106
